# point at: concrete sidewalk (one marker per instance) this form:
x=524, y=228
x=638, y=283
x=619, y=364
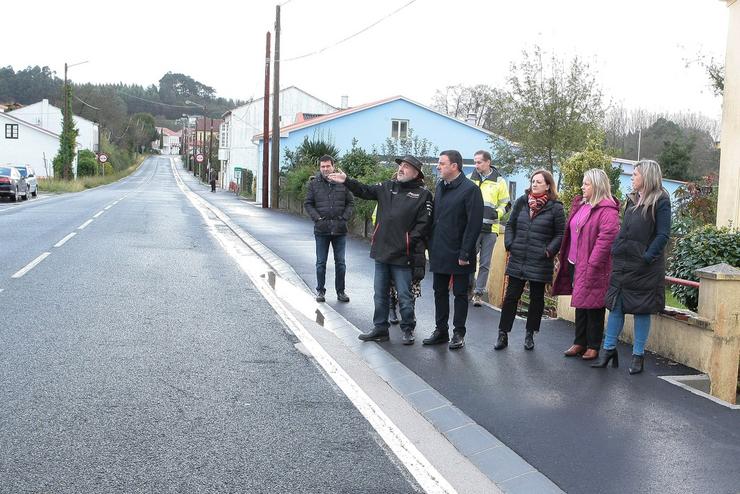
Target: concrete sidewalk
x=587, y=430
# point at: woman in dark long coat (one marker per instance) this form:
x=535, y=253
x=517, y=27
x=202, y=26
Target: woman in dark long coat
x=637, y=282
x=532, y=237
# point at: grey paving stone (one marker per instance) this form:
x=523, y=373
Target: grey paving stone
x=530, y=482
x=447, y=418
x=408, y=384
x=501, y=464
x=392, y=371
x=472, y=439
x=426, y=400
x=375, y=357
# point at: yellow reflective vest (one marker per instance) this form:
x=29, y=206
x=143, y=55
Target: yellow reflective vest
x=495, y=197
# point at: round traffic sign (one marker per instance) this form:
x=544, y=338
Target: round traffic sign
x=199, y=158
x=103, y=158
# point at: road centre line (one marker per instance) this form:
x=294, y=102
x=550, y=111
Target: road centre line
x=98, y=214
x=31, y=265
x=64, y=240
x=109, y=206
x=84, y=225
x=415, y=462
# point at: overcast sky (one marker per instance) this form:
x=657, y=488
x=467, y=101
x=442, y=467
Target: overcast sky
x=639, y=48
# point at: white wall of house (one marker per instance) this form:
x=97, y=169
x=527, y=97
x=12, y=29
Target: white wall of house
x=49, y=117
x=245, y=121
x=33, y=146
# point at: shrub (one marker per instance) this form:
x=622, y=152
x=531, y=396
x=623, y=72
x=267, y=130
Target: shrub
x=575, y=166
x=702, y=247
x=87, y=164
x=296, y=181
x=695, y=206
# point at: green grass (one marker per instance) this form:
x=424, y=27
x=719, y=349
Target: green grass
x=671, y=301
x=57, y=186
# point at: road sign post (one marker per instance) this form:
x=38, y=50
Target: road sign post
x=102, y=159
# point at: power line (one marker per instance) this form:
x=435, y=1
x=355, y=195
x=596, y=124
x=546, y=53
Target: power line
x=317, y=52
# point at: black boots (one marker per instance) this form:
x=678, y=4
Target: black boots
x=637, y=363
x=458, y=341
x=342, y=297
x=437, y=337
x=605, y=357
x=529, y=340
x=502, y=341
x=376, y=334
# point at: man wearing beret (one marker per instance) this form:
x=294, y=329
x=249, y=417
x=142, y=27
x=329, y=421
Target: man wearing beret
x=398, y=246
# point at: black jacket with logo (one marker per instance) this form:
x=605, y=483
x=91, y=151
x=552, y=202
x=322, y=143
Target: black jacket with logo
x=329, y=205
x=403, y=221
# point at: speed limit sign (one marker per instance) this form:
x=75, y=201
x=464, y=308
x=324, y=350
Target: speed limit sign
x=199, y=158
x=103, y=158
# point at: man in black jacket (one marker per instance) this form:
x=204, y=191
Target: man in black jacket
x=458, y=218
x=399, y=241
x=330, y=206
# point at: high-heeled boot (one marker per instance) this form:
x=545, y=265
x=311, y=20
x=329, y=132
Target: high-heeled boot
x=637, y=364
x=529, y=340
x=502, y=341
x=605, y=357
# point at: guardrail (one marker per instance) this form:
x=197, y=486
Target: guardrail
x=669, y=280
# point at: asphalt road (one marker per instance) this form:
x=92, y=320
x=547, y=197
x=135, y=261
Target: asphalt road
x=136, y=357
x=588, y=430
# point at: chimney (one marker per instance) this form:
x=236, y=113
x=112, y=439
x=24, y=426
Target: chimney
x=345, y=103
x=472, y=118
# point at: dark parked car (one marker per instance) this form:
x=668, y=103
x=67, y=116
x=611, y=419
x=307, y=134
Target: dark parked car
x=32, y=185
x=12, y=184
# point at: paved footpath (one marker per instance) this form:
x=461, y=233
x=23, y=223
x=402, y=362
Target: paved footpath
x=587, y=430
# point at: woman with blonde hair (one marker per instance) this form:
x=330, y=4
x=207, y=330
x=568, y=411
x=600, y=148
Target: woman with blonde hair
x=586, y=261
x=637, y=283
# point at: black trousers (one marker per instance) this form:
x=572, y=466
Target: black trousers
x=589, y=322
x=442, y=301
x=511, y=300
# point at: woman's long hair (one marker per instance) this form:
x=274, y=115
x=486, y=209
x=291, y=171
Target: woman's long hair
x=652, y=186
x=600, y=186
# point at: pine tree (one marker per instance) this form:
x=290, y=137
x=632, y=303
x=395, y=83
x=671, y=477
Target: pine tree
x=67, y=141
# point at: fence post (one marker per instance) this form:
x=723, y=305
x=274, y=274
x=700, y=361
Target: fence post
x=719, y=302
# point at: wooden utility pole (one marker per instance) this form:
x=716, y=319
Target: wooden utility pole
x=275, y=162
x=266, y=129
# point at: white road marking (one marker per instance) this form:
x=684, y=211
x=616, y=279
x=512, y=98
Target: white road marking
x=109, y=206
x=82, y=226
x=31, y=265
x=64, y=240
x=98, y=214
x=423, y=471
x=2, y=290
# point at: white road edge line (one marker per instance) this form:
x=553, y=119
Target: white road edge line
x=31, y=265
x=422, y=470
x=98, y=214
x=64, y=240
x=84, y=225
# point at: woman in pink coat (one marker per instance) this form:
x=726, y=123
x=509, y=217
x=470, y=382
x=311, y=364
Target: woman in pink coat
x=585, y=260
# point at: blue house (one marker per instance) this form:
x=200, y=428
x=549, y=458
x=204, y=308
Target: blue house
x=372, y=123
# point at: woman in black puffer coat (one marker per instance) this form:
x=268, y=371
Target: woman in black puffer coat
x=532, y=237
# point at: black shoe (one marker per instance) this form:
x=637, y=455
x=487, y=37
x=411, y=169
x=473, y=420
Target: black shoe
x=605, y=356
x=408, y=337
x=321, y=296
x=502, y=341
x=529, y=341
x=393, y=315
x=637, y=363
x=342, y=297
x=437, y=337
x=458, y=341
x=375, y=334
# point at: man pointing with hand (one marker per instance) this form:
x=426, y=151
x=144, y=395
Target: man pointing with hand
x=402, y=229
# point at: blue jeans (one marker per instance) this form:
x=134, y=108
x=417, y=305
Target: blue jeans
x=402, y=279
x=338, y=242
x=614, y=326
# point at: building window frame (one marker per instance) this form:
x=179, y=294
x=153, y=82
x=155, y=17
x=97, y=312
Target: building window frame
x=399, y=128
x=512, y=189
x=11, y=131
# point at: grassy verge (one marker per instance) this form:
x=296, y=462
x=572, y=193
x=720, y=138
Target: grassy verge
x=671, y=301
x=61, y=186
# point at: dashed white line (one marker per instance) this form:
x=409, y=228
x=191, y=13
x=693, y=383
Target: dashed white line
x=31, y=265
x=98, y=214
x=109, y=206
x=64, y=240
x=82, y=226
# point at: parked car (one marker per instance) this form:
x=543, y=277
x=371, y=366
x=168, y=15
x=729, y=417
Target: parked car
x=32, y=185
x=12, y=184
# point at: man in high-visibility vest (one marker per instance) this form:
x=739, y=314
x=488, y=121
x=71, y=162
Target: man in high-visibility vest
x=495, y=196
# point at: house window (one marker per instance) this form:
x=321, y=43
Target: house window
x=512, y=190
x=11, y=131
x=399, y=129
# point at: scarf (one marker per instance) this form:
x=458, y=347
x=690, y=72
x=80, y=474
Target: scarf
x=536, y=203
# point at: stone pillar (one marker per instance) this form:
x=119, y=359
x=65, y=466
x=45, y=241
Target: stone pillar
x=719, y=302
x=728, y=206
